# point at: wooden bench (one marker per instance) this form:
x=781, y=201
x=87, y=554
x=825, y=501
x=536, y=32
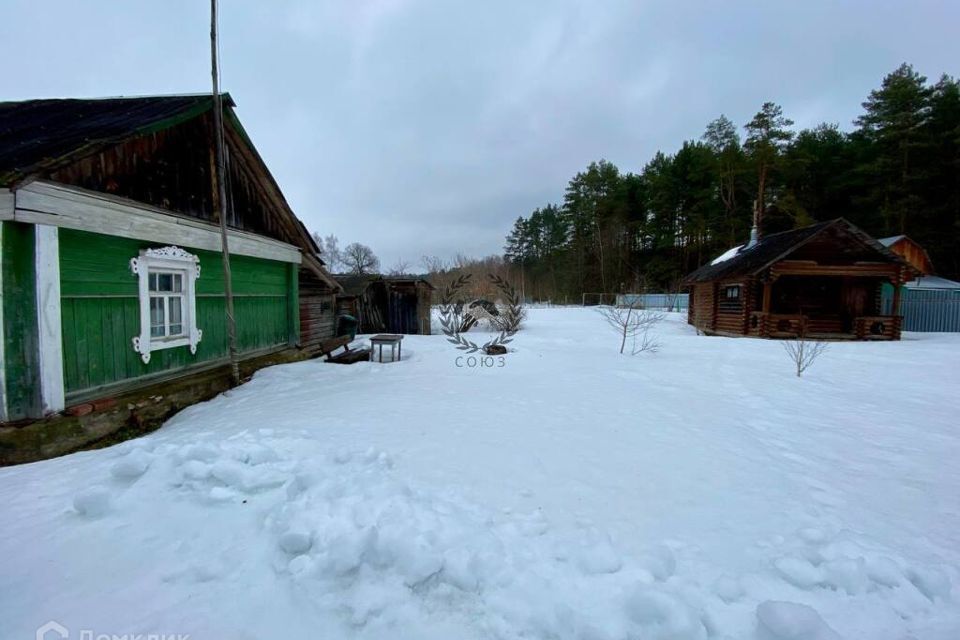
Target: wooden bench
x=348, y=356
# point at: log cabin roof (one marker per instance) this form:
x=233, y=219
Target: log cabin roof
x=39, y=136
x=777, y=246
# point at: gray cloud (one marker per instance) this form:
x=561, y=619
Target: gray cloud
x=428, y=127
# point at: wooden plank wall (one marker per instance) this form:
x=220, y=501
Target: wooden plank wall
x=100, y=311
x=171, y=169
x=317, y=311
x=424, y=308
x=914, y=254
x=408, y=309
x=21, y=342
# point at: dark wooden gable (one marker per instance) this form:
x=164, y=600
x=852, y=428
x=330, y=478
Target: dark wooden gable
x=838, y=245
x=171, y=169
x=155, y=150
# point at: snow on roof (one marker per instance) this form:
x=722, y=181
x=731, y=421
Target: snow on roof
x=933, y=282
x=890, y=240
x=726, y=255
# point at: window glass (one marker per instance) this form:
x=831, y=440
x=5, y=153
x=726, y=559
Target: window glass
x=176, y=322
x=166, y=304
x=156, y=317
x=165, y=282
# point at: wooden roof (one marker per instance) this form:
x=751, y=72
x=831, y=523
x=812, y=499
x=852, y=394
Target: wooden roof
x=40, y=136
x=356, y=285
x=776, y=246
x=911, y=251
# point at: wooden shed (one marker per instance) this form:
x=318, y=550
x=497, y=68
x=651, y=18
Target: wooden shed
x=911, y=251
x=823, y=281
x=111, y=267
x=394, y=304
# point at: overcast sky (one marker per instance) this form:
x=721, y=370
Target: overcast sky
x=426, y=128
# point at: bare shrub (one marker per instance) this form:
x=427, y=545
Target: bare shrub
x=644, y=341
x=803, y=352
x=633, y=322
x=400, y=268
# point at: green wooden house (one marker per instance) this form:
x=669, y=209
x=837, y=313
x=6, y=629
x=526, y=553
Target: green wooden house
x=112, y=278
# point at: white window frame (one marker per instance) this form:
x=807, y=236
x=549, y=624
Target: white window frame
x=167, y=260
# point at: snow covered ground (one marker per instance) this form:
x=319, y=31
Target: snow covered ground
x=699, y=492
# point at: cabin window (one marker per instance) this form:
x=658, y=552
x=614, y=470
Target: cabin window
x=168, y=305
x=730, y=298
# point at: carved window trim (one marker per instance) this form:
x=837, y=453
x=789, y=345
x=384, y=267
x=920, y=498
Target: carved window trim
x=167, y=260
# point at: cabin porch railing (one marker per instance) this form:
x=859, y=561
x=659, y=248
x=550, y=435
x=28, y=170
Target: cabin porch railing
x=780, y=325
x=790, y=325
x=878, y=327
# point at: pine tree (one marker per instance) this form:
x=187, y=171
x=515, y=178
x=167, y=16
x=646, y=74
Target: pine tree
x=721, y=136
x=940, y=229
x=899, y=171
x=767, y=135
x=588, y=208
x=813, y=170
x=894, y=122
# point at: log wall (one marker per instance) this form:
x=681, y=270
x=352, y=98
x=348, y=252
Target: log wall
x=702, y=308
x=731, y=317
x=318, y=317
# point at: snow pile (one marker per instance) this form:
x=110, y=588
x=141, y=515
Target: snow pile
x=373, y=554
x=92, y=502
x=792, y=621
x=572, y=494
x=369, y=550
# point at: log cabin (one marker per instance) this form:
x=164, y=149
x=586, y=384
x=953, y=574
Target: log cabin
x=822, y=281
x=112, y=274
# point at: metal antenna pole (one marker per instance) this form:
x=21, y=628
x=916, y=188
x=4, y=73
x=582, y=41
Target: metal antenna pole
x=221, y=203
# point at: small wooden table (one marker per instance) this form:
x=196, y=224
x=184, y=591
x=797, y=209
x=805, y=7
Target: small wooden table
x=392, y=339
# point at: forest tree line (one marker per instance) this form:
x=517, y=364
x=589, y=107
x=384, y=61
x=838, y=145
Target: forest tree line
x=897, y=172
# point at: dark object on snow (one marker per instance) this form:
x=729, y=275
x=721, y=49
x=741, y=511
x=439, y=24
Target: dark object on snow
x=347, y=326
x=495, y=350
x=348, y=356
